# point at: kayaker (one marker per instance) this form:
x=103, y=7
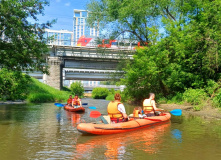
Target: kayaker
x=76, y=101
x=137, y=112
x=69, y=101
x=116, y=110
x=149, y=106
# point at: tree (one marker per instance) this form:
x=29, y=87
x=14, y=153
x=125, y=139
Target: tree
x=22, y=45
x=77, y=88
x=187, y=57
x=13, y=85
x=131, y=18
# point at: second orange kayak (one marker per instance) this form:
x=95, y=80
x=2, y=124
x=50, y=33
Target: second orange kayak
x=72, y=109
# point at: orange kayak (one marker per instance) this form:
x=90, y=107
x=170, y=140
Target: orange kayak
x=72, y=109
x=132, y=124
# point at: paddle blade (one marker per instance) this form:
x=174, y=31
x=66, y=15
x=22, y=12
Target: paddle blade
x=59, y=105
x=84, y=103
x=95, y=114
x=92, y=107
x=176, y=112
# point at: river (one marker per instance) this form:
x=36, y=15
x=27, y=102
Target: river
x=44, y=131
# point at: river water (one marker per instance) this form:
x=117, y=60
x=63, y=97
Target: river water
x=44, y=131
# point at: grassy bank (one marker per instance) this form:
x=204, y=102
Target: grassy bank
x=40, y=92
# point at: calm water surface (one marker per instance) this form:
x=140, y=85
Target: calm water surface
x=44, y=131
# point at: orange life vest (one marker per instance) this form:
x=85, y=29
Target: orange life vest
x=113, y=111
x=136, y=113
x=76, y=102
x=147, y=106
x=69, y=101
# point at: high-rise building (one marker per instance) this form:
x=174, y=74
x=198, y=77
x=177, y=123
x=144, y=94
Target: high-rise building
x=80, y=28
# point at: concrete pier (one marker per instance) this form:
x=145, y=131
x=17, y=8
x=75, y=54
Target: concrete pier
x=55, y=70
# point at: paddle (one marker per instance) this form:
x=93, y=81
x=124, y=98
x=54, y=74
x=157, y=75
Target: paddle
x=176, y=112
x=92, y=107
x=59, y=105
x=84, y=103
x=95, y=114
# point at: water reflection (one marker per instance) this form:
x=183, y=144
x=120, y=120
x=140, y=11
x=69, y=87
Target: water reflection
x=177, y=134
x=74, y=117
x=115, y=146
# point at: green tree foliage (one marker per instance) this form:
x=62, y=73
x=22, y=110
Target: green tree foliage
x=13, y=85
x=22, y=45
x=194, y=96
x=100, y=93
x=77, y=88
x=186, y=55
x=129, y=17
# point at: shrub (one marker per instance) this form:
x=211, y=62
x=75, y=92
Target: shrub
x=13, y=85
x=211, y=87
x=194, y=96
x=100, y=93
x=110, y=97
x=77, y=88
x=216, y=102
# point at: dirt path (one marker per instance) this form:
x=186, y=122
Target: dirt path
x=206, y=112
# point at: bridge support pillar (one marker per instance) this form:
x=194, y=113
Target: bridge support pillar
x=54, y=79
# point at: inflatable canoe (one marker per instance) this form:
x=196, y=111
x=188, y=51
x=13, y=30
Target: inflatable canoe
x=132, y=124
x=74, y=109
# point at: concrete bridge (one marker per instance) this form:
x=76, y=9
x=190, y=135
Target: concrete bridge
x=81, y=63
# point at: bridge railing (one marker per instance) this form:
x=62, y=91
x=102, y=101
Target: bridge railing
x=91, y=52
x=93, y=44
x=91, y=86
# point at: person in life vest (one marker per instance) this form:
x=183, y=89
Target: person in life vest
x=149, y=106
x=76, y=101
x=116, y=110
x=137, y=112
x=69, y=101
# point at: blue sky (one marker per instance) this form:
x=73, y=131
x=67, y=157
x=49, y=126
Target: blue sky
x=62, y=10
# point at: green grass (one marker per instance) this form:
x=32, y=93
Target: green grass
x=40, y=92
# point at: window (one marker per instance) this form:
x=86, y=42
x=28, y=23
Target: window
x=77, y=14
x=106, y=41
x=134, y=44
x=121, y=44
x=84, y=14
x=114, y=43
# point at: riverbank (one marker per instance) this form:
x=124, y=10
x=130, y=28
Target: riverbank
x=206, y=112
x=13, y=102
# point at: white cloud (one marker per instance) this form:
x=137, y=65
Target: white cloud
x=67, y=4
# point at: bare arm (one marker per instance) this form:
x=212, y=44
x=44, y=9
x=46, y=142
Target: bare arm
x=124, y=115
x=154, y=105
x=80, y=103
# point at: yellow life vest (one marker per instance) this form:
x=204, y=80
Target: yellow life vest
x=113, y=111
x=76, y=102
x=136, y=113
x=147, y=106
